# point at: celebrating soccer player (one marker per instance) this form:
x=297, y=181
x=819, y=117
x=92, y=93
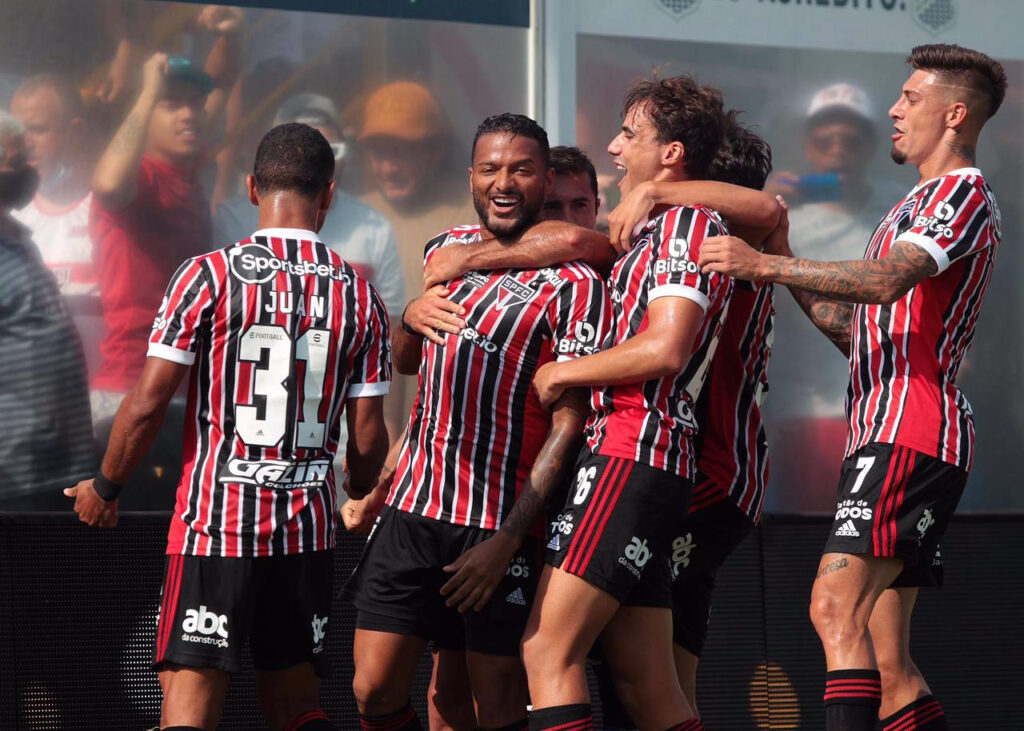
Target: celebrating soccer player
x=481, y=456
x=905, y=315
x=280, y=336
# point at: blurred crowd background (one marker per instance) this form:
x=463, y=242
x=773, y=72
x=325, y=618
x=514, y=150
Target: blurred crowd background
x=141, y=120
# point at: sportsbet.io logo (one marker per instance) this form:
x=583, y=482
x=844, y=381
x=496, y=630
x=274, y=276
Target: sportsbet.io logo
x=257, y=264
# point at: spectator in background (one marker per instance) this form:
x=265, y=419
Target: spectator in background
x=44, y=399
x=833, y=211
x=149, y=213
x=56, y=138
x=362, y=236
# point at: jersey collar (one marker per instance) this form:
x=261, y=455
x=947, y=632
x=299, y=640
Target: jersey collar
x=287, y=233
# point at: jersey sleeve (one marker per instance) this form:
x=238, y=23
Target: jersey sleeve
x=371, y=365
x=180, y=319
x=956, y=221
x=579, y=316
x=678, y=237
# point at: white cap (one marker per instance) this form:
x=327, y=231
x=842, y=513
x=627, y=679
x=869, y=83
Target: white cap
x=842, y=96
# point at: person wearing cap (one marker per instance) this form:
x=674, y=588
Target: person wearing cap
x=361, y=235
x=832, y=212
x=149, y=212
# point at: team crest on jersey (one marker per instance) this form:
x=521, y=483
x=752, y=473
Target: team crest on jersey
x=934, y=15
x=513, y=293
x=677, y=8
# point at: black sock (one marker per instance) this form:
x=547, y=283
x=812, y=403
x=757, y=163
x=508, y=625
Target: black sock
x=565, y=718
x=523, y=725
x=692, y=724
x=924, y=714
x=314, y=720
x=404, y=719
x=852, y=698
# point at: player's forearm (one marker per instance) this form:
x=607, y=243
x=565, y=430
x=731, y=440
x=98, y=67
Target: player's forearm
x=135, y=427
x=752, y=209
x=552, y=465
x=406, y=351
x=865, y=281
x=365, y=455
x=113, y=180
x=643, y=357
x=545, y=244
x=834, y=319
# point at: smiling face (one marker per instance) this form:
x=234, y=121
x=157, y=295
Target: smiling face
x=636, y=150
x=919, y=118
x=178, y=122
x=571, y=199
x=509, y=179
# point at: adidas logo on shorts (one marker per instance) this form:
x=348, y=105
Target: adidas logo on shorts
x=516, y=597
x=554, y=544
x=848, y=529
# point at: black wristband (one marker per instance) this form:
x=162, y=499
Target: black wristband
x=105, y=488
x=405, y=325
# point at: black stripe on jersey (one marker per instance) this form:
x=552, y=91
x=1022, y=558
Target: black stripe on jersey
x=189, y=299
x=863, y=372
x=970, y=235
x=888, y=366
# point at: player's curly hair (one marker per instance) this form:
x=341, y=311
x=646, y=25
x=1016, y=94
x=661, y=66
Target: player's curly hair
x=682, y=111
x=293, y=157
x=514, y=124
x=744, y=157
x=965, y=67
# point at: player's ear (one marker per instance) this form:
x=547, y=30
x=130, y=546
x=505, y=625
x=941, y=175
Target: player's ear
x=250, y=187
x=549, y=181
x=956, y=116
x=673, y=154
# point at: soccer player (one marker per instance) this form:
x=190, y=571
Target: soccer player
x=905, y=315
x=281, y=336
x=481, y=456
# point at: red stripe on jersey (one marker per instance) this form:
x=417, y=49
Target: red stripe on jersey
x=476, y=425
x=905, y=357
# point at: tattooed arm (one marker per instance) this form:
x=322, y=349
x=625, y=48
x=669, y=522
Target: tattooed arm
x=478, y=571
x=114, y=180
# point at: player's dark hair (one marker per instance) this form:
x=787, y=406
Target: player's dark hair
x=293, y=157
x=514, y=124
x=569, y=160
x=682, y=111
x=965, y=67
x=744, y=157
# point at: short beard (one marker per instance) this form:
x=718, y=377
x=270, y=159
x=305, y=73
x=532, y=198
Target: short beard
x=504, y=228
x=898, y=157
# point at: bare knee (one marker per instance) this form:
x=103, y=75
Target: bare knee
x=286, y=695
x=499, y=688
x=834, y=618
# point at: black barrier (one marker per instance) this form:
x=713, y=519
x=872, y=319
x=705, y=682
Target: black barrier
x=78, y=610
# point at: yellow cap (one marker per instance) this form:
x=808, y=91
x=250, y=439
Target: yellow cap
x=402, y=109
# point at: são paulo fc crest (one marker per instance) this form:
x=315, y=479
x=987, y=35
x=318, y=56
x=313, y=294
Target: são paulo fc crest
x=934, y=15
x=677, y=8
x=512, y=293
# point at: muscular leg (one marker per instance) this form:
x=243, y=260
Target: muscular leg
x=449, y=699
x=902, y=682
x=192, y=696
x=637, y=646
x=287, y=694
x=385, y=667
x=568, y=615
x=499, y=689
x=686, y=669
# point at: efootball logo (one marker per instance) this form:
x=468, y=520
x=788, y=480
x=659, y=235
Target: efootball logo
x=934, y=15
x=677, y=8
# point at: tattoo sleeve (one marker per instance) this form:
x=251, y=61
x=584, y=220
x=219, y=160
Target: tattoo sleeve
x=865, y=281
x=833, y=318
x=552, y=464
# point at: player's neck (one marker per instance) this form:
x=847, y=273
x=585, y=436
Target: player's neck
x=284, y=210
x=949, y=154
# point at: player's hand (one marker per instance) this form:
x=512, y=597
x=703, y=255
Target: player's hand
x=118, y=75
x=632, y=211
x=732, y=256
x=783, y=183
x=154, y=74
x=220, y=19
x=545, y=382
x=447, y=263
x=478, y=572
x=91, y=508
x=777, y=242
x=359, y=513
x=432, y=312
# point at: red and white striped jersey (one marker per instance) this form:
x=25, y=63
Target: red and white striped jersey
x=654, y=422
x=280, y=332
x=476, y=425
x=732, y=448
x=905, y=357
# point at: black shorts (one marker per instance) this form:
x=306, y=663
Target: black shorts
x=704, y=541
x=895, y=502
x=617, y=526
x=212, y=605
x=397, y=586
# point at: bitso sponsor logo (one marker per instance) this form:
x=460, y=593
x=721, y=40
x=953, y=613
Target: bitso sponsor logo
x=256, y=264
x=275, y=473
x=319, y=632
x=636, y=556
x=682, y=547
x=204, y=627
